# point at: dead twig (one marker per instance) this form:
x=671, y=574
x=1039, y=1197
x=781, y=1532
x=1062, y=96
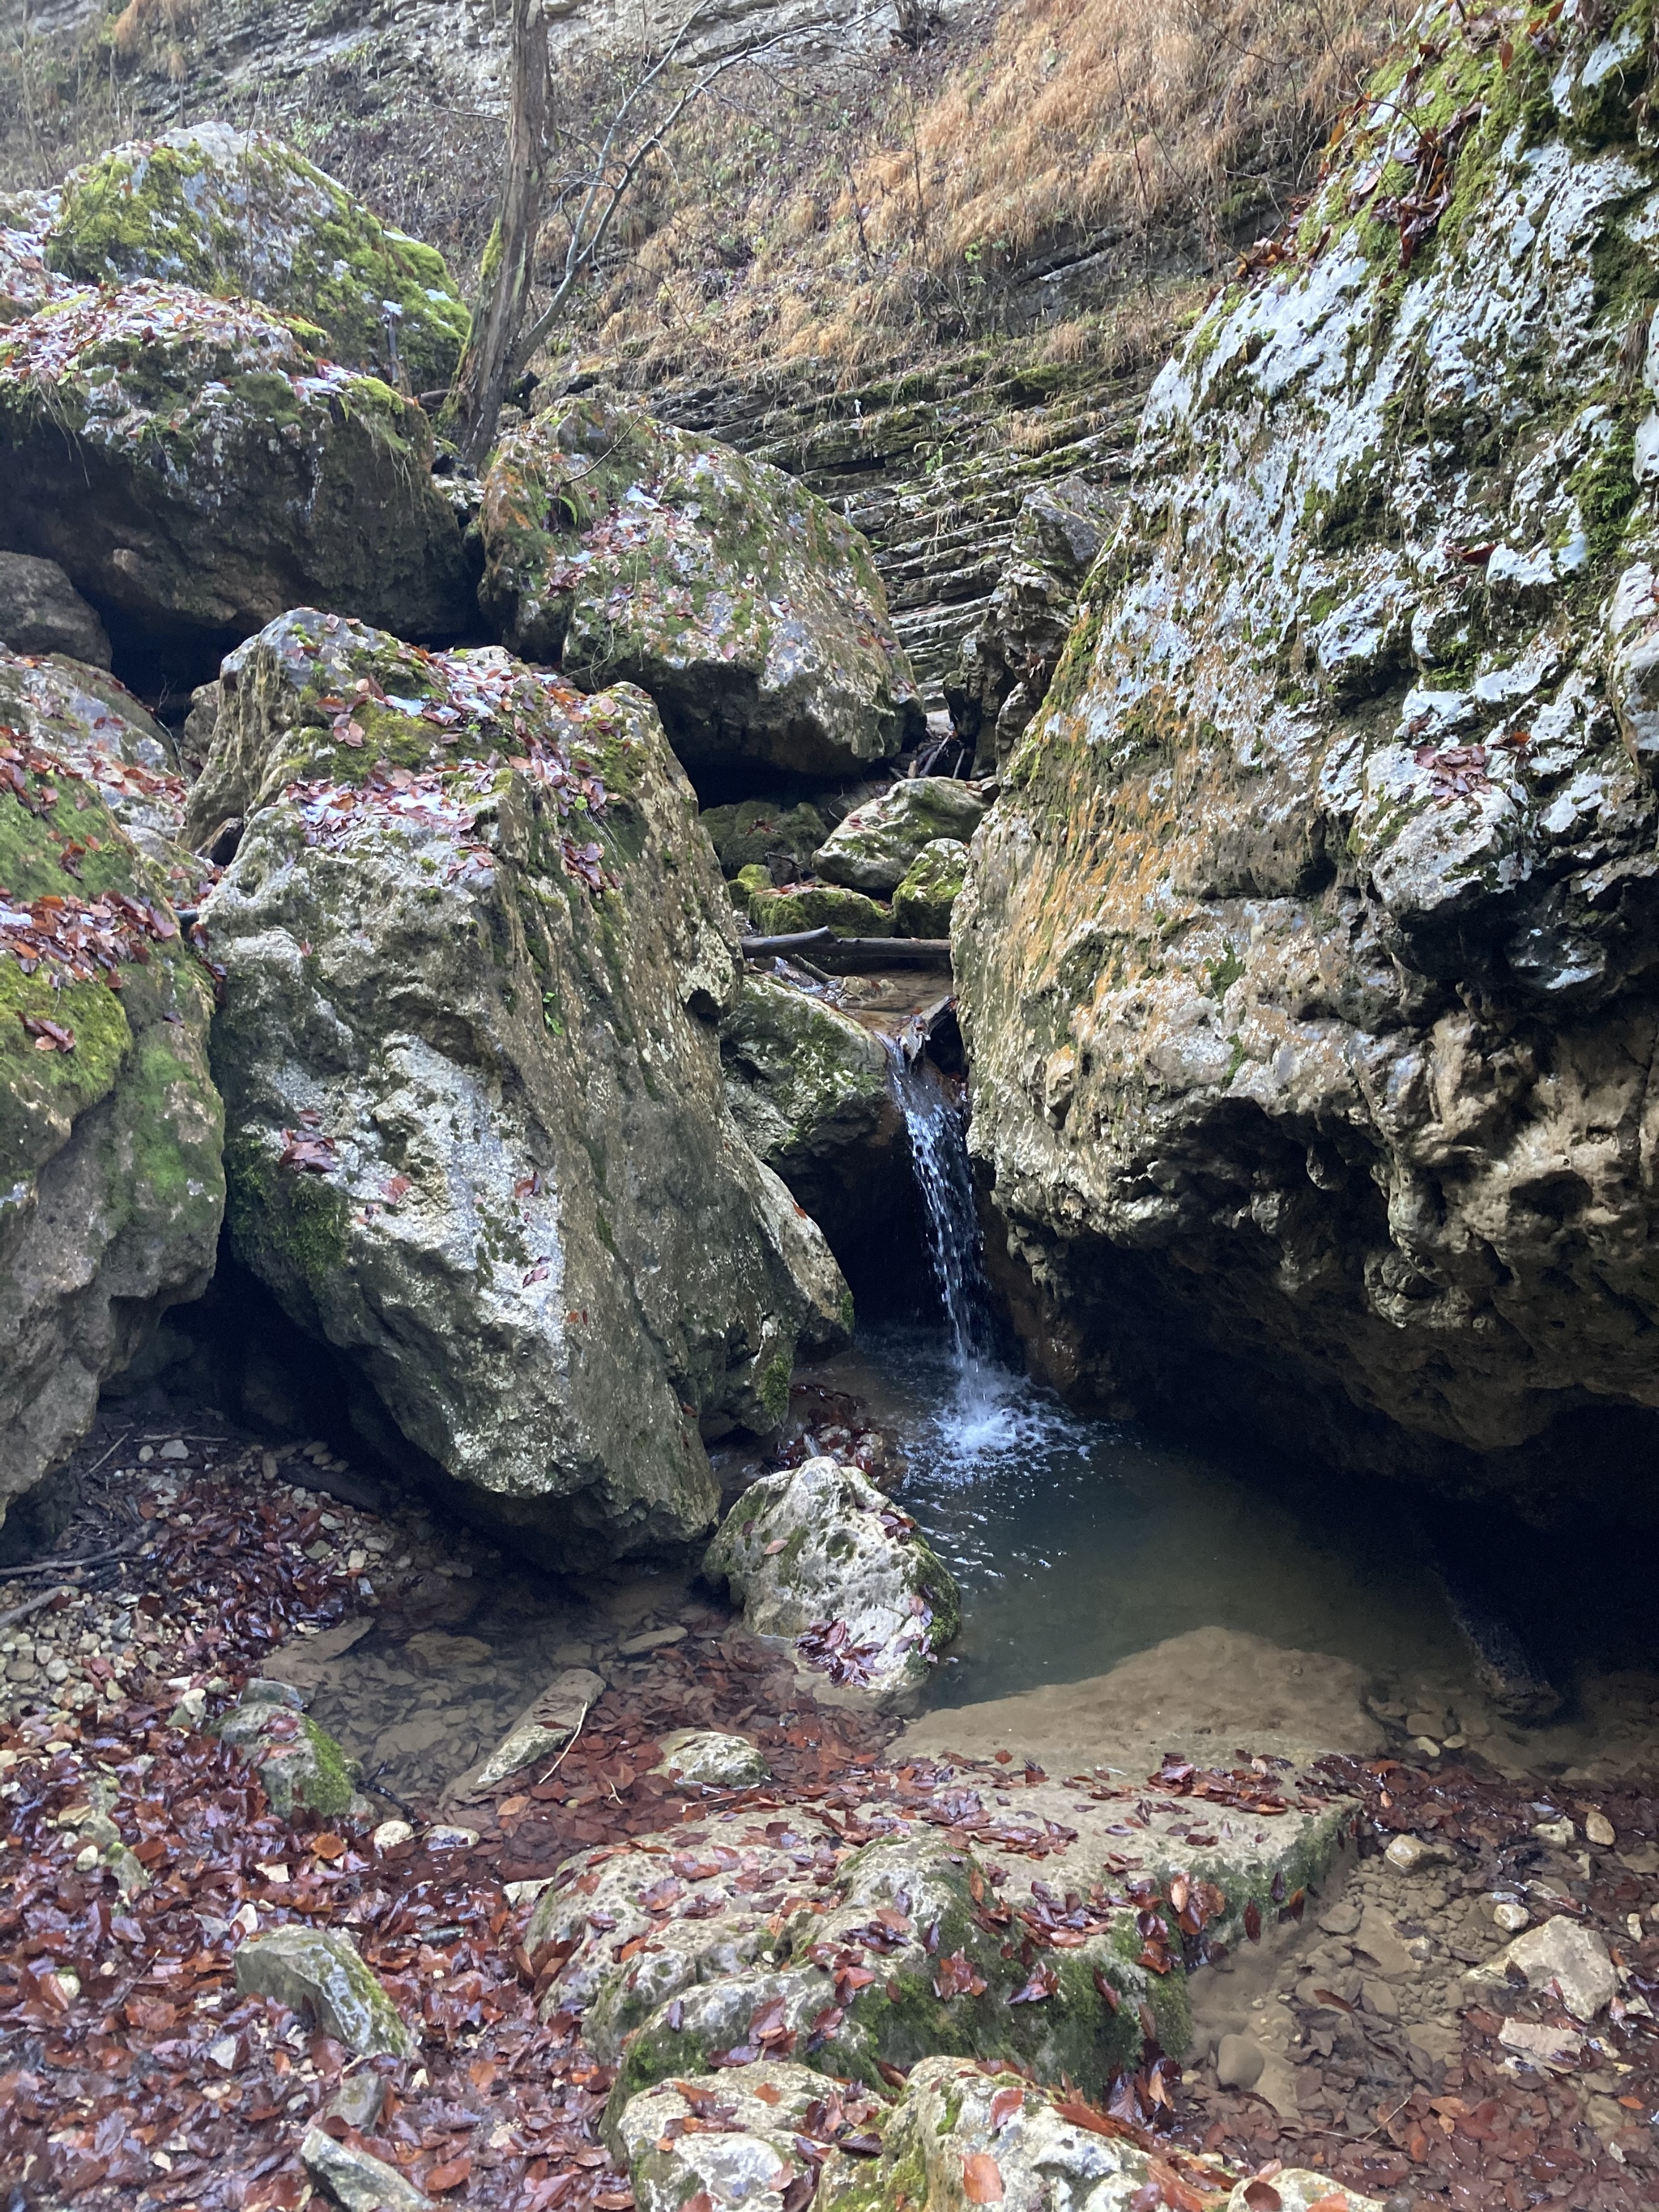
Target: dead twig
x=34, y=1605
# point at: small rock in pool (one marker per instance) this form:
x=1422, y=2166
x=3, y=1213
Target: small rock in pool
x=716, y=1761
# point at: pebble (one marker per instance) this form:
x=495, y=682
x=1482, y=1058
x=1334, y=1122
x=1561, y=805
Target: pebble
x=1510, y=1916
x=390, y=1833
x=1559, y=1832
x=1598, y=1829
x=1409, y=1854
x=450, y=1839
x=175, y=1447
x=653, y=1639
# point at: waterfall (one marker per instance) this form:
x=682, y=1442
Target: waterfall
x=937, y=1123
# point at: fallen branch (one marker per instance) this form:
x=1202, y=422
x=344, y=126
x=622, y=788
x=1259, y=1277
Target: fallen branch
x=45, y=1597
x=581, y=1723
x=62, y=1566
x=862, y=951
x=763, y=948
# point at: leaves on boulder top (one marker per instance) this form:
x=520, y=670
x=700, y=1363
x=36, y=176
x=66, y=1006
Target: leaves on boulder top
x=981, y=2179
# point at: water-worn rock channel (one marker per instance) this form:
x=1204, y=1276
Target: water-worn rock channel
x=804, y=1403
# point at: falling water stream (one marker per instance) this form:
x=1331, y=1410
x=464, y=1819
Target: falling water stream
x=1080, y=1542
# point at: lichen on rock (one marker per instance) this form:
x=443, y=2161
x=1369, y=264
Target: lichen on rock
x=1306, y=961
x=195, y=467
x=237, y=214
x=627, y=551
x=475, y=946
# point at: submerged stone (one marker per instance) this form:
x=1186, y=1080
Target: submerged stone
x=818, y=1554
x=195, y=467
x=712, y=1759
x=476, y=948
x=237, y=214
x=748, y=609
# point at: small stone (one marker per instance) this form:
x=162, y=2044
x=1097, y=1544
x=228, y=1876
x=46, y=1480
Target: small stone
x=1455, y=1743
x=359, y=2099
x=1426, y=1745
x=268, y=1466
x=653, y=1639
x=1426, y=1723
x=358, y=2181
x=444, y=1838
x=1560, y=1832
x=86, y=1858
x=390, y=1833
x=175, y=1447
x=526, y=1892
x=317, y=1971
x=146, y=1453
x=1598, y=1829
x=1510, y=1916
x=1239, y=2060
x=189, y=1711
x=433, y=1652
x=1540, y=2044
x=1380, y=1999
x=1410, y=1855
x=1559, y=1951
x=711, y=1759
x=223, y=2054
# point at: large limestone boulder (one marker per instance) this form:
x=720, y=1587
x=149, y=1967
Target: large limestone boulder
x=475, y=948
x=748, y=609
x=808, y=1087
x=237, y=214
x=1306, y=962
x=41, y=611
x=195, y=467
x=818, y=1554
x=873, y=849
x=111, y=1182
x=929, y=889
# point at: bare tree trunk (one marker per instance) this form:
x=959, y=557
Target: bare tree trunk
x=488, y=365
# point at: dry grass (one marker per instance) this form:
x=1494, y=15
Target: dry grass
x=905, y=206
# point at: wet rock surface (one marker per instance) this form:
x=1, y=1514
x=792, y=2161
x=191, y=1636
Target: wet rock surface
x=820, y=1556
x=629, y=551
x=195, y=468
x=455, y=986
x=1311, y=927
x=874, y=847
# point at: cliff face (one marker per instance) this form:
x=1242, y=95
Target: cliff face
x=1308, y=961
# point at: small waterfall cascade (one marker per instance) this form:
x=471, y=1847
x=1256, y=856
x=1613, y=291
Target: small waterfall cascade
x=937, y=1123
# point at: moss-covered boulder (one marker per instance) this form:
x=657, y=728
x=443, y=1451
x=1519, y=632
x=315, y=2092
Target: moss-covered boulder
x=794, y=908
x=195, y=467
x=93, y=722
x=237, y=214
x=627, y=551
x=27, y=284
x=300, y=1766
x=762, y=833
x=923, y=899
x=818, y=1554
x=476, y=949
x=111, y=1180
x=808, y=1088
x=873, y=849
x=1304, y=959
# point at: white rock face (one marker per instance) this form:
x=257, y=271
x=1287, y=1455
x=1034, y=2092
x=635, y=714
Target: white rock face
x=478, y=1135
x=820, y=1554
x=1306, y=962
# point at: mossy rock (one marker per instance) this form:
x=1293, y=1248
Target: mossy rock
x=873, y=849
x=196, y=466
x=238, y=214
x=475, y=946
x=800, y=906
x=758, y=832
x=624, y=550
x=923, y=901
x=109, y=1124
